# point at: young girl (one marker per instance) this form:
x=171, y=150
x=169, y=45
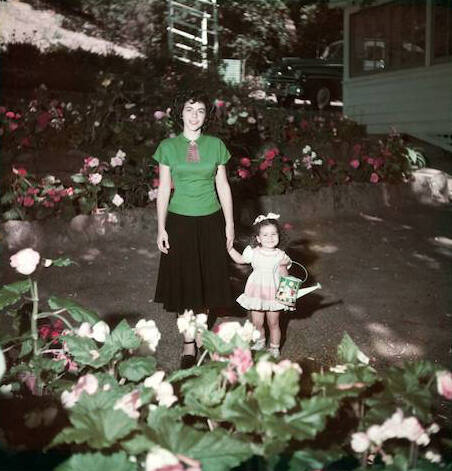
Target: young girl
x=269, y=264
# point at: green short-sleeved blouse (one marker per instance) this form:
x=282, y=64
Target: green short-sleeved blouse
x=194, y=182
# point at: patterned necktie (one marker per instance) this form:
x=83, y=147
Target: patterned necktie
x=192, y=152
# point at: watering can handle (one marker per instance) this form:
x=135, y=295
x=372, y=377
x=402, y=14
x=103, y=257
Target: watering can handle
x=304, y=269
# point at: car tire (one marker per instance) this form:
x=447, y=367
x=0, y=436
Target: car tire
x=321, y=96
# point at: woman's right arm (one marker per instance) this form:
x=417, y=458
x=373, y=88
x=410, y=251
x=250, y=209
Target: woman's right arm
x=236, y=256
x=163, y=197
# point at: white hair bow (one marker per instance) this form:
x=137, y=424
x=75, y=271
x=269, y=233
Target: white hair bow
x=261, y=217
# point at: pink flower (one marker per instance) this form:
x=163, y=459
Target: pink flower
x=20, y=171
x=10, y=114
x=69, y=191
x=444, y=383
x=48, y=204
x=243, y=173
x=32, y=191
x=219, y=103
x=271, y=153
x=95, y=178
x=287, y=226
x=378, y=162
x=158, y=115
x=129, y=404
x=13, y=126
x=331, y=162
x=354, y=163
x=44, y=331
x=370, y=160
x=374, y=178
x=245, y=162
x=91, y=162
x=265, y=164
x=242, y=360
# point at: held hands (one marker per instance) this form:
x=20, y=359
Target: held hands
x=229, y=237
x=162, y=241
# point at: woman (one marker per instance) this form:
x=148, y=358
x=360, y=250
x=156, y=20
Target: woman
x=195, y=226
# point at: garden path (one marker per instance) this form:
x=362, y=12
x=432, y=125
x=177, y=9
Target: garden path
x=386, y=281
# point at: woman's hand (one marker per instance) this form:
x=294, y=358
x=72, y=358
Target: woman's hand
x=229, y=237
x=162, y=241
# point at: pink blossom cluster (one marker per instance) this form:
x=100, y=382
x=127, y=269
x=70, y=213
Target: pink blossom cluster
x=129, y=404
x=87, y=383
x=239, y=363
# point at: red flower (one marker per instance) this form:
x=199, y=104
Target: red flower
x=10, y=114
x=243, y=173
x=32, y=191
x=265, y=164
x=13, y=126
x=304, y=124
x=44, y=331
x=374, y=178
x=285, y=159
x=245, y=162
x=286, y=169
x=54, y=334
x=354, y=163
x=28, y=201
x=58, y=325
x=48, y=204
x=270, y=154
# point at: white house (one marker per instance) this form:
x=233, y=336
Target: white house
x=398, y=66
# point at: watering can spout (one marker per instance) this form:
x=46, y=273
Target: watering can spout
x=304, y=291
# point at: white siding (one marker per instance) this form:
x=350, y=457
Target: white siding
x=413, y=100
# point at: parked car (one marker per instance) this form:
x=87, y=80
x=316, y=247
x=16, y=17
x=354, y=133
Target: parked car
x=318, y=80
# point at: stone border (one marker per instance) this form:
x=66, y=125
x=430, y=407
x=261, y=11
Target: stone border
x=428, y=186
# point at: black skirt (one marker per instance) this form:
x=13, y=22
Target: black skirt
x=194, y=274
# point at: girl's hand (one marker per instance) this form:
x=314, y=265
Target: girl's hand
x=162, y=241
x=229, y=237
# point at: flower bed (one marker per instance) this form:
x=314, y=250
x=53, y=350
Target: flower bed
x=234, y=407
x=274, y=151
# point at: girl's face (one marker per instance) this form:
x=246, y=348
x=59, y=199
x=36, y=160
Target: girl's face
x=193, y=115
x=268, y=237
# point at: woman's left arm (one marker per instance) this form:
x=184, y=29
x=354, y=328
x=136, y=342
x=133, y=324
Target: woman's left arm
x=225, y=196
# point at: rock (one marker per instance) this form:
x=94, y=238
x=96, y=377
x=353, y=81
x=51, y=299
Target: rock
x=22, y=234
x=430, y=185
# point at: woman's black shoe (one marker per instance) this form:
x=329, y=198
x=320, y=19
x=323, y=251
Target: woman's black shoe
x=187, y=361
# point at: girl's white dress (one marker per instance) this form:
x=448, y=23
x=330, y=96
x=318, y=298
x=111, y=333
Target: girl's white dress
x=262, y=284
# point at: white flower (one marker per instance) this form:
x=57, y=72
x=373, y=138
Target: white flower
x=6, y=390
x=433, y=457
x=248, y=332
x=47, y=262
x=84, y=330
x=95, y=178
x=154, y=380
x=376, y=434
x=94, y=354
x=412, y=429
x=434, y=428
x=251, y=120
x=49, y=180
x=116, y=162
x=201, y=321
x=165, y=394
x=149, y=332
x=362, y=358
x=264, y=370
x=306, y=149
x=120, y=154
x=68, y=399
x=243, y=114
x=93, y=162
x=186, y=323
x=317, y=162
x=338, y=368
x=423, y=440
x=132, y=117
x=313, y=155
x=96, y=124
x=360, y=442
x=285, y=365
x=25, y=261
x=117, y=200
x=152, y=194
x=227, y=330
x=129, y=404
x=100, y=331
x=159, y=458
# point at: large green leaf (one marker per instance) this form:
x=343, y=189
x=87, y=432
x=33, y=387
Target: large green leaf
x=99, y=429
x=241, y=410
x=83, y=348
x=108, y=183
x=78, y=178
x=123, y=337
x=26, y=348
x=138, y=444
x=205, y=389
x=279, y=394
x=312, y=418
x=309, y=459
x=135, y=369
x=10, y=294
x=348, y=351
x=98, y=462
x=217, y=450
x=79, y=313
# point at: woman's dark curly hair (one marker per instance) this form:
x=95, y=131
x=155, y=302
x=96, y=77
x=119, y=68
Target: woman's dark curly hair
x=194, y=96
x=266, y=222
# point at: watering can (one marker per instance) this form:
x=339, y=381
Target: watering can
x=289, y=288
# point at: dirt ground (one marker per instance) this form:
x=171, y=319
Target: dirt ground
x=386, y=280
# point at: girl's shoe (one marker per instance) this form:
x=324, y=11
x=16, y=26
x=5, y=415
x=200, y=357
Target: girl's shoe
x=258, y=345
x=274, y=350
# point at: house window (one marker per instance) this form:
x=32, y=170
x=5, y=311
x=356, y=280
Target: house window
x=442, y=30
x=387, y=37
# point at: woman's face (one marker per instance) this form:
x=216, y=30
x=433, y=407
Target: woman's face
x=193, y=115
